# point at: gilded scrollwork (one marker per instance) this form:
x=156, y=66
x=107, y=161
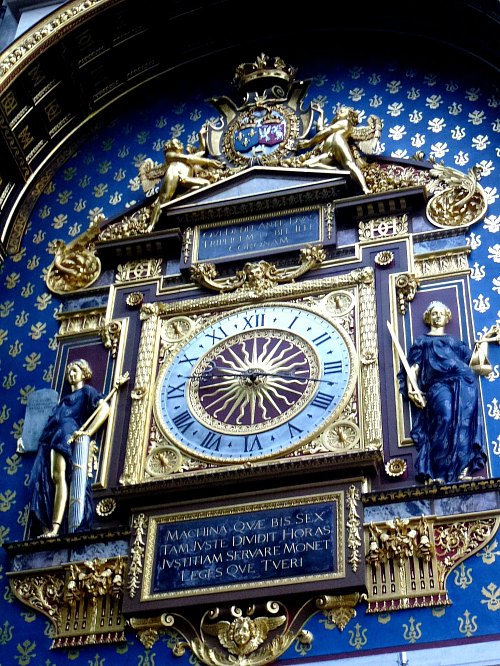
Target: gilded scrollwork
x=257, y=277
x=255, y=636
x=76, y=265
x=406, y=288
x=457, y=541
x=458, y=199
x=110, y=336
x=387, y=177
x=42, y=592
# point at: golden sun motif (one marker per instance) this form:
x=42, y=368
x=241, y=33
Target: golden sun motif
x=254, y=382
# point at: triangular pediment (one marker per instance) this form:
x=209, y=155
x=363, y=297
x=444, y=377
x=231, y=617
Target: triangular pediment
x=255, y=184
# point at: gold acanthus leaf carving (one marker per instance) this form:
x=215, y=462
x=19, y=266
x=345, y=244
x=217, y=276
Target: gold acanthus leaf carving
x=399, y=539
x=43, y=593
x=93, y=579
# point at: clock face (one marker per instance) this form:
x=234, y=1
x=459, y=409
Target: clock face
x=257, y=382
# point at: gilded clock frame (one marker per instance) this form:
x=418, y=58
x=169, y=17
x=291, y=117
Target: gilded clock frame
x=348, y=300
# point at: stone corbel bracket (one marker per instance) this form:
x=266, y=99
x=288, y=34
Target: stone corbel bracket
x=82, y=600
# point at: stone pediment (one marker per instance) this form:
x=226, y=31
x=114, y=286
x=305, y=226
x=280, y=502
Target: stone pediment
x=255, y=189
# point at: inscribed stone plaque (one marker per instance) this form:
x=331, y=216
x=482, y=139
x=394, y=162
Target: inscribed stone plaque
x=278, y=542
x=218, y=241
x=38, y=409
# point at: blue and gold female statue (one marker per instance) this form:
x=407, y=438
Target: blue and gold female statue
x=442, y=383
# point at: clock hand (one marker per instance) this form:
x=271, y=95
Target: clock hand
x=251, y=374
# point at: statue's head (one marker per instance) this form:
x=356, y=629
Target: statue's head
x=84, y=368
x=437, y=305
x=173, y=145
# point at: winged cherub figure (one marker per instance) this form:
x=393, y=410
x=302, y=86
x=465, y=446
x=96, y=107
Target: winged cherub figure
x=337, y=143
x=244, y=635
x=189, y=170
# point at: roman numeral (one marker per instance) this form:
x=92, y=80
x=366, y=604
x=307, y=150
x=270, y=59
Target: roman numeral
x=255, y=320
x=176, y=391
x=332, y=367
x=220, y=334
x=322, y=400
x=183, y=421
x=211, y=441
x=252, y=443
x=324, y=337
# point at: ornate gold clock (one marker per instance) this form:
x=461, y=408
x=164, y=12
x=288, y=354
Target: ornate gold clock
x=242, y=379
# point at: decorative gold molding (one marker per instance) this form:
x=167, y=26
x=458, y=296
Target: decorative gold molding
x=445, y=263
x=260, y=276
x=21, y=51
x=409, y=559
x=77, y=323
x=82, y=600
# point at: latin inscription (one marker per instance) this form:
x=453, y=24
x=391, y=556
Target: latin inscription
x=252, y=237
x=241, y=549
